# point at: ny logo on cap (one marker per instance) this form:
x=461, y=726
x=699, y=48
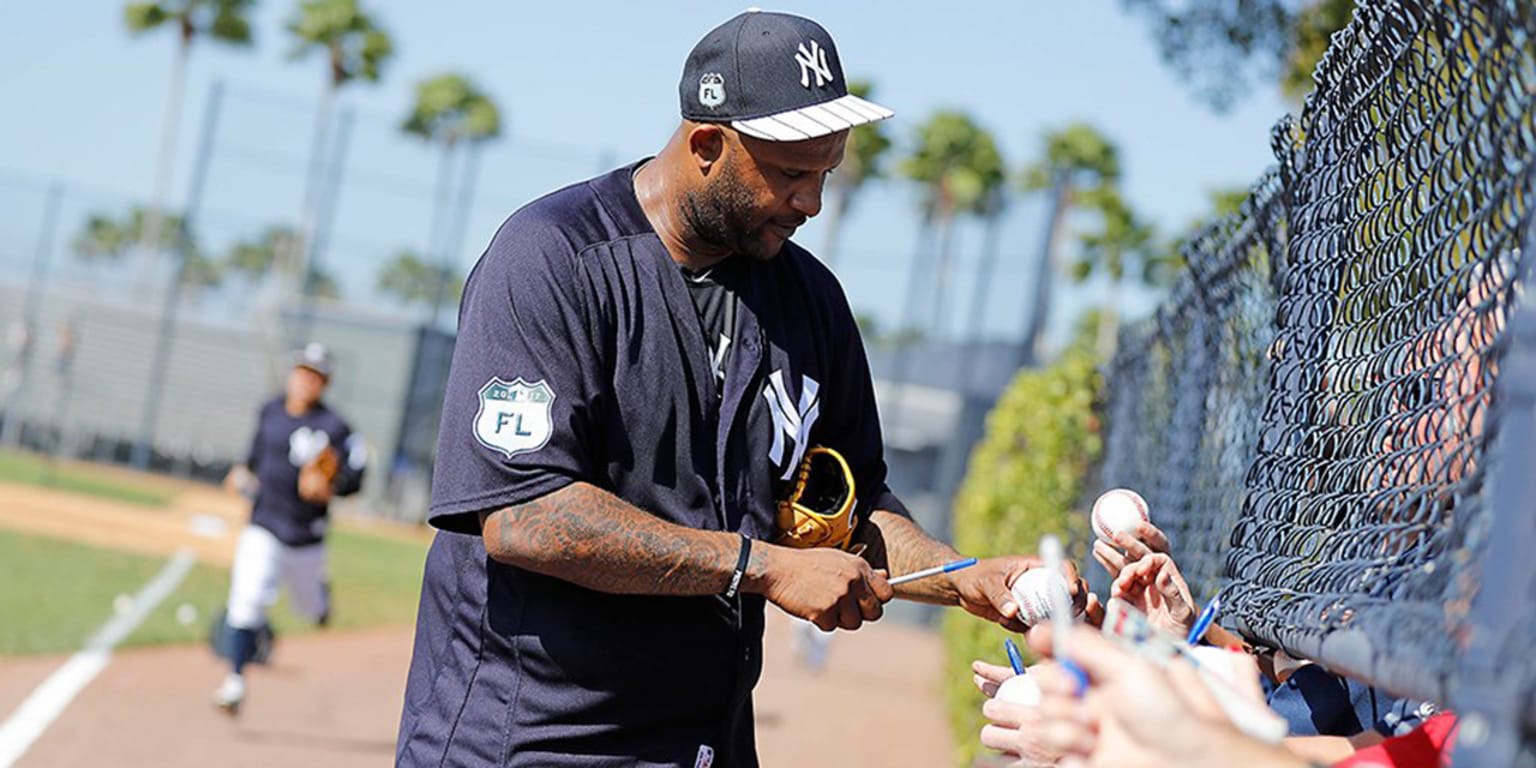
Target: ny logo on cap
x=813, y=60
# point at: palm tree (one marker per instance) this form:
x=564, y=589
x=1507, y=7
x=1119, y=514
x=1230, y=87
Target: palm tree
x=223, y=21
x=104, y=238
x=1121, y=243
x=254, y=259
x=993, y=208
x=409, y=278
x=867, y=144
x=451, y=111
x=1077, y=157
x=957, y=163
x=355, y=48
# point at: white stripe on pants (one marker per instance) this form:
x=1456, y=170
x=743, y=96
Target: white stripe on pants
x=260, y=560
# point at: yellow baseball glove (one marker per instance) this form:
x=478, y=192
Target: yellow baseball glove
x=818, y=512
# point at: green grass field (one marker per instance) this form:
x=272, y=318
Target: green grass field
x=33, y=469
x=57, y=593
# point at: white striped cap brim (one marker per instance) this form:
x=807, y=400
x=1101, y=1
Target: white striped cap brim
x=814, y=121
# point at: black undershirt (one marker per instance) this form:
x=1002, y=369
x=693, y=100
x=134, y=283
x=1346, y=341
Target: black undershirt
x=714, y=297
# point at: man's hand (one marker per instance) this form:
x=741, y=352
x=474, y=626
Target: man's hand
x=827, y=587
x=1154, y=586
x=984, y=588
x=241, y=480
x=988, y=677
x=1146, y=539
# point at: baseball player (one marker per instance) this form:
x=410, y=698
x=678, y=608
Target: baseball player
x=648, y=379
x=302, y=455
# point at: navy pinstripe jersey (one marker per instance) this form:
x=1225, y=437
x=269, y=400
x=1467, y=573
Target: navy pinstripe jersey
x=580, y=358
x=282, y=444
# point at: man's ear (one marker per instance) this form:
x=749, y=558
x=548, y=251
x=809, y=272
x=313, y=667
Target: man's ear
x=706, y=145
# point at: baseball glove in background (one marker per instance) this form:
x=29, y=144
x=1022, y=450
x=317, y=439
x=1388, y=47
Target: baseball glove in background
x=317, y=479
x=818, y=511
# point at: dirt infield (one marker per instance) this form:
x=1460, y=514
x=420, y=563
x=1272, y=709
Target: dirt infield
x=333, y=699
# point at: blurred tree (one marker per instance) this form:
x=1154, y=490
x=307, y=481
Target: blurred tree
x=1166, y=262
x=201, y=271
x=1122, y=242
x=869, y=325
x=958, y=165
x=322, y=284
x=355, y=48
x=104, y=238
x=449, y=110
x=254, y=259
x=1024, y=479
x=223, y=21
x=409, y=278
x=1077, y=157
x=1217, y=45
x=257, y=259
x=867, y=146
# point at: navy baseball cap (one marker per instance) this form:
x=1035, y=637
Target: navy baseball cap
x=315, y=357
x=772, y=76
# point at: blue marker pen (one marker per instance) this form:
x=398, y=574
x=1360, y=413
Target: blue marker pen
x=1204, y=622
x=934, y=571
x=1015, y=660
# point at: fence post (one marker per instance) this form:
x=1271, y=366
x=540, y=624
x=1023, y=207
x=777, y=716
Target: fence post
x=144, y=447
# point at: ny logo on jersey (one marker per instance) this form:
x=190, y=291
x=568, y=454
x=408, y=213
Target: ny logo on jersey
x=304, y=444
x=791, y=420
x=813, y=61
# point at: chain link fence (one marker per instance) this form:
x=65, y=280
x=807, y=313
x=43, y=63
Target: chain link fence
x=1314, y=413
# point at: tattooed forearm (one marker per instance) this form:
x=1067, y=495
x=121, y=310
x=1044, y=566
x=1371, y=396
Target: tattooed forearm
x=590, y=537
x=903, y=547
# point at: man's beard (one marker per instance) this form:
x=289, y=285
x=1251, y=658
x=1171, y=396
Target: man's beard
x=721, y=215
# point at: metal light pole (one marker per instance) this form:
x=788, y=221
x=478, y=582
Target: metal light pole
x=29, y=320
x=143, y=448
x=325, y=221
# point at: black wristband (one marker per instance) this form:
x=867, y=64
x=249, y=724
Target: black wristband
x=741, y=568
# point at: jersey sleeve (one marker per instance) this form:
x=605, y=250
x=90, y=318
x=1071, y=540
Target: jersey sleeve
x=353, y=453
x=253, y=455
x=518, y=410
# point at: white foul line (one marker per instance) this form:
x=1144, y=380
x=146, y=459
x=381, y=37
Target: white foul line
x=48, y=701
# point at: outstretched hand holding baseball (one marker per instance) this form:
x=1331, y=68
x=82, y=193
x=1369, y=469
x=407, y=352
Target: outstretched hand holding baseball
x=983, y=588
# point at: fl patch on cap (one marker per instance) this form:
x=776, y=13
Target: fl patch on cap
x=772, y=76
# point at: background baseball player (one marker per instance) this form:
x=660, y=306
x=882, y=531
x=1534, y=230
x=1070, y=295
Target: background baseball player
x=647, y=379
x=302, y=455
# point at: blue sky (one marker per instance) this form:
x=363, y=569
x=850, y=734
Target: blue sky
x=586, y=85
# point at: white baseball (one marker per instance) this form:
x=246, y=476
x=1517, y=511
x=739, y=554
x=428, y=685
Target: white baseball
x=1031, y=591
x=1118, y=511
x=1019, y=689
